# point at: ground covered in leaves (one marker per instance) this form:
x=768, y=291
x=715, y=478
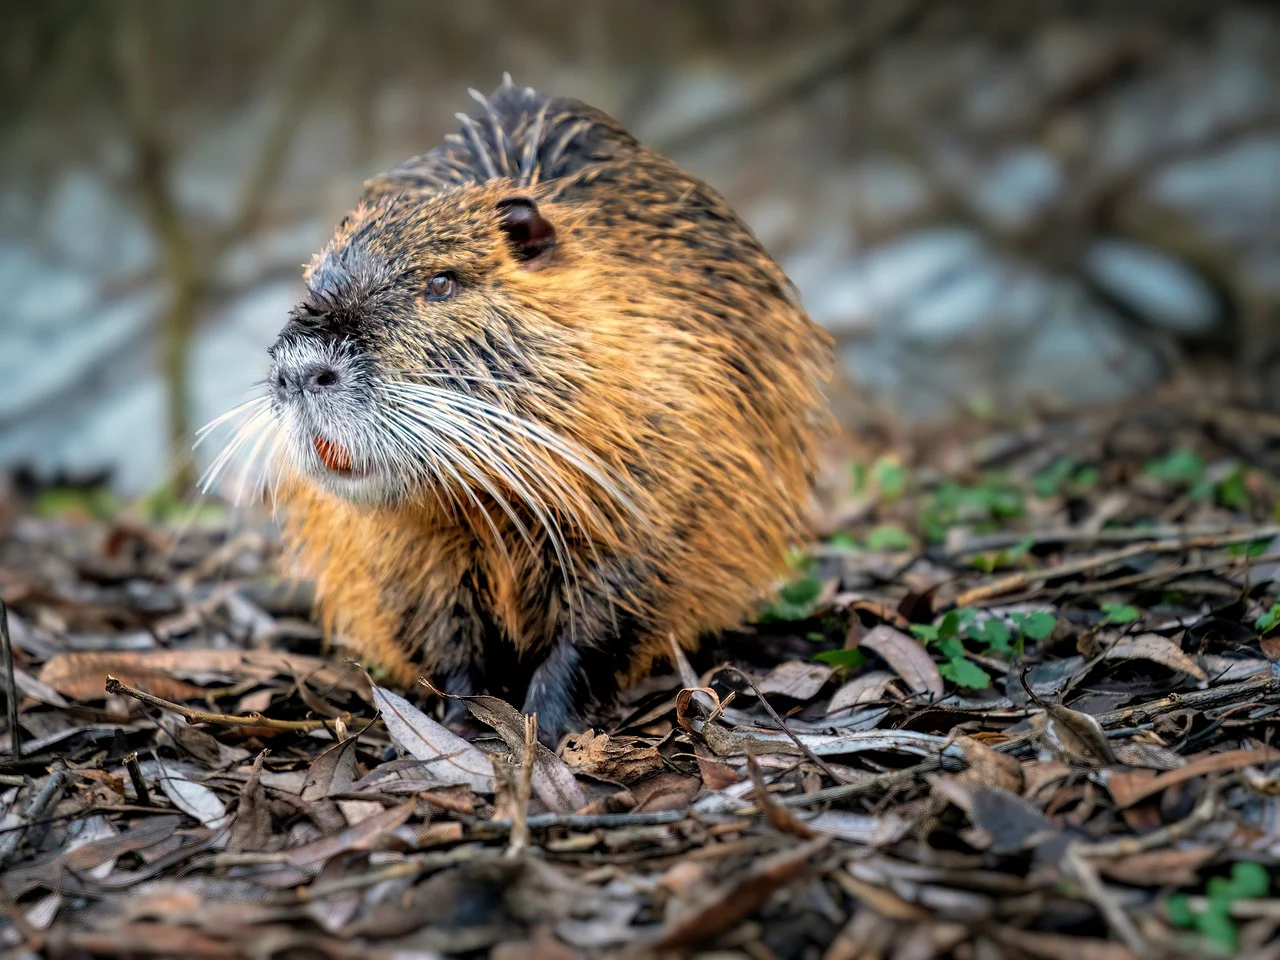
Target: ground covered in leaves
x=1018, y=702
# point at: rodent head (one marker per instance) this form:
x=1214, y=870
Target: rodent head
x=436, y=353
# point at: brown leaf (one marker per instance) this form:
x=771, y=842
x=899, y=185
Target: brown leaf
x=612, y=759
x=779, y=817
x=1012, y=822
x=1157, y=649
x=251, y=828
x=193, y=798
x=908, y=658
x=1074, y=737
x=552, y=780
x=369, y=834
x=1056, y=946
x=736, y=900
x=988, y=768
x=796, y=679
x=80, y=674
x=1172, y=867
x=867, y=687
x=716, y=774
x=1196, y=767
x=333, y=771
x=1271, y=647
x=454, y=759
x=883, y=902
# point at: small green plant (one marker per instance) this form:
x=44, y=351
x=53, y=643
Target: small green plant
x=888, y=537
x=1185, y=468
x=990, y=562
x=844, y=540
x=1036, y=625
x=982, y=505
x=889, y=477
x=848, y=659
x=1064, y=476
x=1119, y=613
x=995, y=637
x=1182, y=466
x=1248, y=881
x=1268, y=621
x=796, y=601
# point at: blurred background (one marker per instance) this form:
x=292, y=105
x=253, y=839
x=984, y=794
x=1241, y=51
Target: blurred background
x=991, y=205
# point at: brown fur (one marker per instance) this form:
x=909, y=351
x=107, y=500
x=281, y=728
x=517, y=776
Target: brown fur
x=659, y=335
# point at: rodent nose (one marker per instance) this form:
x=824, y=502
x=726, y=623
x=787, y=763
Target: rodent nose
x=312, y=378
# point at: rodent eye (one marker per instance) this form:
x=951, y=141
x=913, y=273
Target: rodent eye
x=442, y=286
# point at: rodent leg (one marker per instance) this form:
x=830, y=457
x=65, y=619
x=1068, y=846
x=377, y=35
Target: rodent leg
x=572, y=677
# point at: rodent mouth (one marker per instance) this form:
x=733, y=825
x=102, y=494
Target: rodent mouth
x=335, y=457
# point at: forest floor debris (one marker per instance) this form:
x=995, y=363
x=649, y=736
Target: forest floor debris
x=1020, y=701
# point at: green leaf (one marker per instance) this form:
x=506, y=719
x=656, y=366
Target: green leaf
x=1049, y=482
x=1216, y=924
x=1086, y=478
x=801, y=592
x=859, y=477
x=888, y=537
x=1181, y=466
x=844, y=540
x=849, y=659
x=890, y=478
x=1035, y=626
x=1120, y=613
x=1232, y=492
x=965, y=673
x=951, y=648
x=1250, y=880
x=925, y=631
x=994, y=633
x=1179, y=909
x=1267, y=622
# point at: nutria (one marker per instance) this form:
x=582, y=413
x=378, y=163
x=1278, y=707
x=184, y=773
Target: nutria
x=547, y=404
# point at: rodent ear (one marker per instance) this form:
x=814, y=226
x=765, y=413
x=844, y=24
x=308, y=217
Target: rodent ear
x=529, y=234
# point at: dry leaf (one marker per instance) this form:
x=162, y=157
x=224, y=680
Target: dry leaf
x=81, y=675
x=1157, y=649
x=1074, y=737
x=908, y=658
x=796, y=679
x=1195, y=767
x=867, y=687
x=618, y=761
x=734, y=901
x=333, y=771
x=192, y=798
x=1172, y=867
x=552, y=780
x=454, y=760
x=251, y=828
x=988, y=768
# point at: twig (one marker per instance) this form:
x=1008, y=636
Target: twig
x=1170, y=573
x=981, y=543
x=524, y=790
x=231, y=720
x=1246, y=691
x=10, y=685
x=1023, y=579
x=139, y=784
x=1106, y=903
x=813, y=757
x=46, y=797
x=1204, y=812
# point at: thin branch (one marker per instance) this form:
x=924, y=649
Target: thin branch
x=114, y=686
